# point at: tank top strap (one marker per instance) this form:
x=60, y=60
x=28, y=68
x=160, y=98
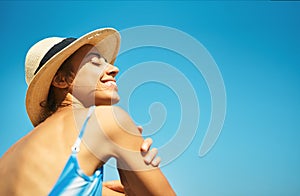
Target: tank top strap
x=76, y=146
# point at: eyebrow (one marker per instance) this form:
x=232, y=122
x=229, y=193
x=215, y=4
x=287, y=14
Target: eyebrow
x=95, y=54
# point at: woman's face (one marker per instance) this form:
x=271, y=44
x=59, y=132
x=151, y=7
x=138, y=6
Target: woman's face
x=94, y=83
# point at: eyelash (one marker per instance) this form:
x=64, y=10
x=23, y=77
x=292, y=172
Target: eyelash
x=96, y=63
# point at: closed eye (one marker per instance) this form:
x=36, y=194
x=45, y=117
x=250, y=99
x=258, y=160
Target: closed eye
x=96, y=61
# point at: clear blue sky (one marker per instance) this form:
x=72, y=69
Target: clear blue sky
x=256, y=46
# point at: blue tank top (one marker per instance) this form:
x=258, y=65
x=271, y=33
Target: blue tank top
x=72, y=180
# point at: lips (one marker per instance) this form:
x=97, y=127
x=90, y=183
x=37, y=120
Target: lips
x=110, y=84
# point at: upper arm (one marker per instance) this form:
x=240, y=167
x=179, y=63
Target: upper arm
x=124, y=140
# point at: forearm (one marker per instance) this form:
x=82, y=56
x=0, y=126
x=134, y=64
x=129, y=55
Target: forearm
x=150, y=182
x=128, y=191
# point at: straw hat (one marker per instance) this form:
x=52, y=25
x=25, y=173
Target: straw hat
x=45, y=57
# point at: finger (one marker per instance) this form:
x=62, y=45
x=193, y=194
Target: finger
x=140, y=128
x=156, y=161
x=146, y=144
x=150, y=155
x=115, y=185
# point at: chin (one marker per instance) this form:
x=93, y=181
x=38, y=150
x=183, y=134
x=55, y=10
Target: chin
x=115, y=101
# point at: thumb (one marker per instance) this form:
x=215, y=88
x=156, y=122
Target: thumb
x=115, y=185
x=140, y=128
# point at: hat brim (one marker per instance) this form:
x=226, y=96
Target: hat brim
x=106, y=40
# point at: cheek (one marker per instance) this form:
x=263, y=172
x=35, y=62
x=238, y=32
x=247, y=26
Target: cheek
x=88, y=76
x=85, y=83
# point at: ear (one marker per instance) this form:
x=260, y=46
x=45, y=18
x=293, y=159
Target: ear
x=60, y=81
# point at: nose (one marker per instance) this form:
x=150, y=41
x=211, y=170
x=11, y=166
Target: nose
x=112, y=70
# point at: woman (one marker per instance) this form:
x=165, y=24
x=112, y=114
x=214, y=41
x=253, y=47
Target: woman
x=69, y=101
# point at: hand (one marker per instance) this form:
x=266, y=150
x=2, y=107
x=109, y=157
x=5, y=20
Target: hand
x=149, y=155
x=113, y=188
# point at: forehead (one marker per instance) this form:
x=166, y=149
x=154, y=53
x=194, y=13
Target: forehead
x=83, y=53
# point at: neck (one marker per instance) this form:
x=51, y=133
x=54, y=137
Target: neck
x=70, y=100
x=65, y=99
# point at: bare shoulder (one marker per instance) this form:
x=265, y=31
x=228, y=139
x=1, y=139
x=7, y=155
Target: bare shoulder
x=114, y=113
x=114, y=120
x=112, y=129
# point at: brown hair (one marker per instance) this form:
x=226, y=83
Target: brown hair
x=52, y=104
